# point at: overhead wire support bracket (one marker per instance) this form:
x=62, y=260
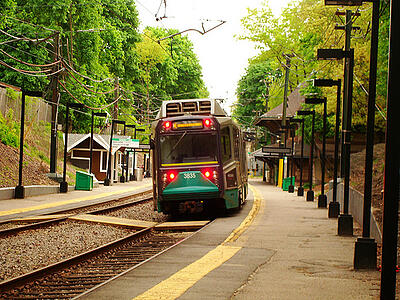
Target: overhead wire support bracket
x=192, y=29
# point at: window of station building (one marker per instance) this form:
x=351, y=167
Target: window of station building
x=226, y=144
x=104, y=162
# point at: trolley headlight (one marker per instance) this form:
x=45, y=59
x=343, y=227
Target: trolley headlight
x=211, y=175
x=207, y=123
x=167, y=125
x=171, y=176
x=207, y=173
x=167, y=178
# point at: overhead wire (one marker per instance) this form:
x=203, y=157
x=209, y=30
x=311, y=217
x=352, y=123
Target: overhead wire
x=31, y=73
x=25, y=22
x=367, y=93
x=88, y=88
x=65, y=64
x=91, y=107
x=84, y=76
x=30, y=64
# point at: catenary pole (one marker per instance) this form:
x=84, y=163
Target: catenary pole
x=392, y=161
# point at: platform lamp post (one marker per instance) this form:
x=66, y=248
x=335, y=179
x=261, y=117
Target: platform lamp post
x=291, y=186
x=392, y=162
x=334, y=205
x=107, y=180
x=134, y=152
x=300, y=189
x=366, y=248
x=345, y=220
x=126, y=178
x=19, y=192
x=310, y=192
x=97, y=114
x=322, y=202
x=63, y=183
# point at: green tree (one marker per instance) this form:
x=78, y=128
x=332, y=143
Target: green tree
x=302, y=28
x=99, y=45
x=175, y=74
x=254, y=92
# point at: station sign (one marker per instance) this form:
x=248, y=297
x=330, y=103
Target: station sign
x=123, y=143
x=141, y=147
x=131, y=143
x=276, y=151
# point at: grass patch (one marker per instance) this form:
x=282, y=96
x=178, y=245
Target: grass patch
x=9, y=129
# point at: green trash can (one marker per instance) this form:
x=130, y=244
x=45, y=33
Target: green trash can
x=83, y=181
x=285, y=183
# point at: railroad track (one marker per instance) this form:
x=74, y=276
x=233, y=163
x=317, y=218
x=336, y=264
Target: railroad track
x=95, y=209
x=72, y=277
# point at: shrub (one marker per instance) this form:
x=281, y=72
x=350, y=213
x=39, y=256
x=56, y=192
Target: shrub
x=9, y=130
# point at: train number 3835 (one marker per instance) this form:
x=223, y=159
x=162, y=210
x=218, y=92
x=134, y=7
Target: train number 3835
x=189, y=175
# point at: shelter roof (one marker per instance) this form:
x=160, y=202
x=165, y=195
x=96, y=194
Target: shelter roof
x=273, y=118
x=103, y=140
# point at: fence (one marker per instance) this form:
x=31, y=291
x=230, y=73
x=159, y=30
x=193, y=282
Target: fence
x=356, y=202
x=35, y=108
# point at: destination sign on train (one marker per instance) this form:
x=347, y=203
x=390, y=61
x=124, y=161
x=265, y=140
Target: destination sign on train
x=194, y=124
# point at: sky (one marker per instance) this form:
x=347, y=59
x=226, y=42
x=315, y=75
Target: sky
x=222, y=56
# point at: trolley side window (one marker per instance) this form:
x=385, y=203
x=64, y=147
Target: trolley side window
x=236, y=143
x=226, y=144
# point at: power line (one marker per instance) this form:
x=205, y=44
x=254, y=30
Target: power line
x=29, y=64
x=94, y=108
x=25, y=22
x=31, y=73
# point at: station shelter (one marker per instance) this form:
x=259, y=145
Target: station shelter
x=277, y=162
x=79, y=155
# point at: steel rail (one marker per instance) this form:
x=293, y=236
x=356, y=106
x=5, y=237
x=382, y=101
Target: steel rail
x=31, y=276
x=15, y=230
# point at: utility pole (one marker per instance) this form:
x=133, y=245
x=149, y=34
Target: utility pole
x=392, y=162
x=116, y=95
x=267, y=83
x=54, y=107
x=345, y=221
x=348, y=27
x=284, y=105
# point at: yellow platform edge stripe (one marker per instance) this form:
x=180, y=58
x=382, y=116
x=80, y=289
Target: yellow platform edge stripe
x=81, y=199
x=177, y=284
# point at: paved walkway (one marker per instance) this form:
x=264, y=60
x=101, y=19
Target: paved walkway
x=278, y=247
x=13, y=208
x=310, y=260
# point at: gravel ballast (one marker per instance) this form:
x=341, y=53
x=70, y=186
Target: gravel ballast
x=34, y=249
x=142, y=211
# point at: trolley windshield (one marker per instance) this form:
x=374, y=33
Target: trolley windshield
x=188, y=148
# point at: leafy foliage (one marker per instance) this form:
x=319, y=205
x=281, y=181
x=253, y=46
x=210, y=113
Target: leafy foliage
x=104, y=57
x=9, y=129
x=253, y=92
x=302, y=28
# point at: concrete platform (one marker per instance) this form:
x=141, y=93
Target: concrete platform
x=277, y=247
x=53, y=203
